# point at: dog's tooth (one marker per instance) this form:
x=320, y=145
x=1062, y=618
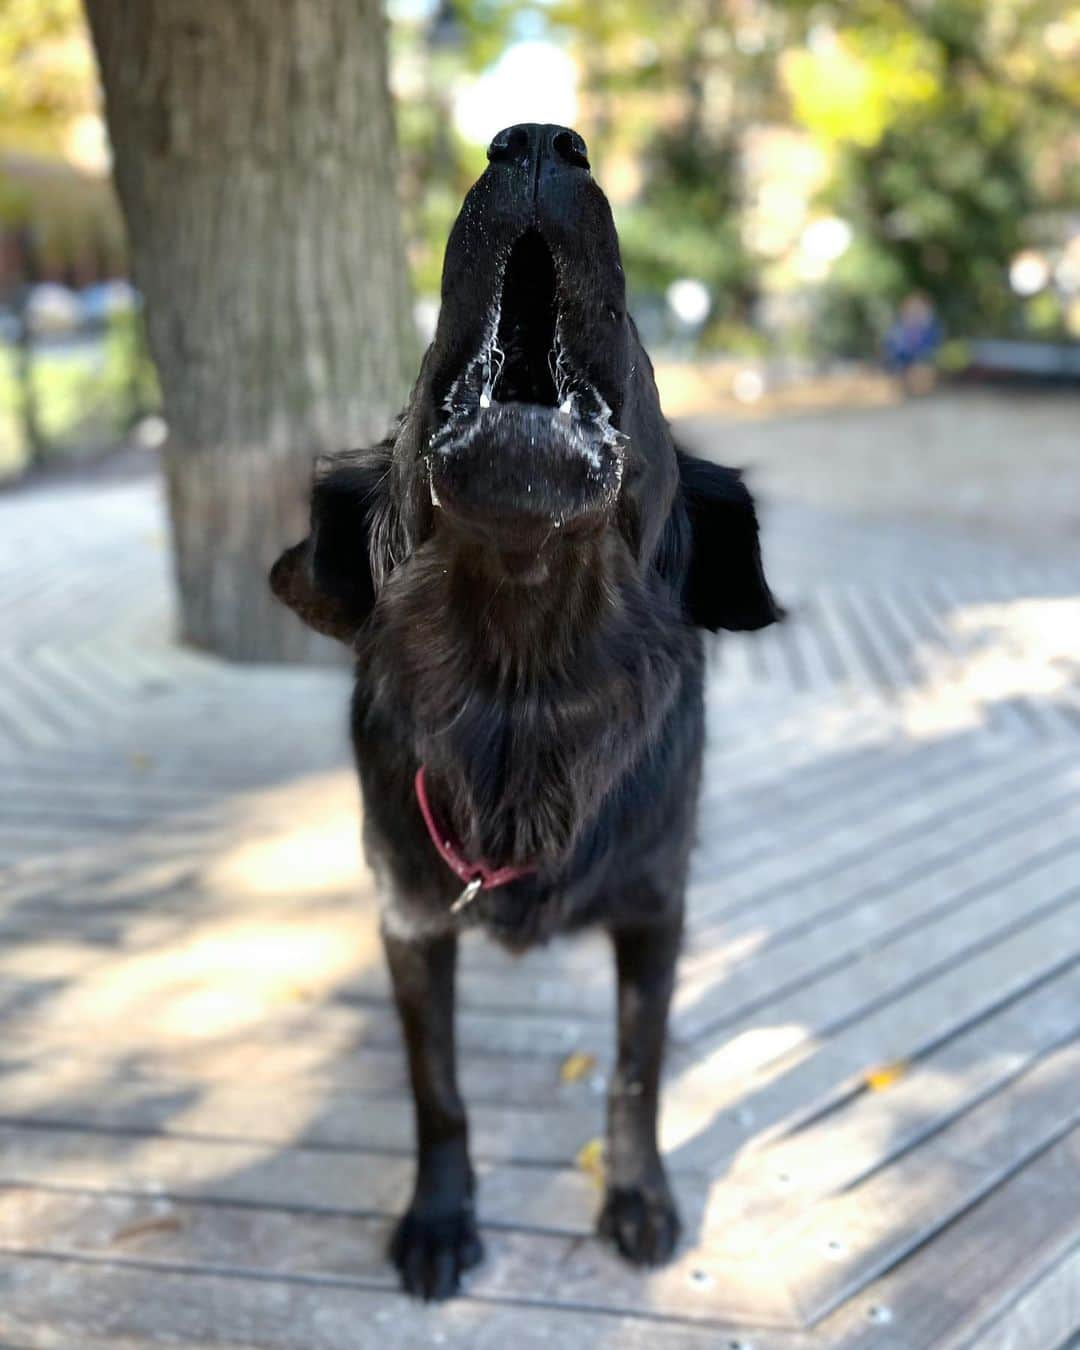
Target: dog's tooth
x=567, y=405
x=485, y=399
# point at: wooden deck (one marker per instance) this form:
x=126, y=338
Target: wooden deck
x=874, y=1082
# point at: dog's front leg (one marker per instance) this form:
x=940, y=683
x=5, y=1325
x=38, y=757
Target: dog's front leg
x=638, y=1213
x=436, y=1238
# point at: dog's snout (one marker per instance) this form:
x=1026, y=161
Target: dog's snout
x=535, y=144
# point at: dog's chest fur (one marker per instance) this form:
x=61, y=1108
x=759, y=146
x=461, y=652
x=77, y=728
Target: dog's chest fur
x=571, y=754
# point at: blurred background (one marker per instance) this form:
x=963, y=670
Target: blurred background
x=808, y=194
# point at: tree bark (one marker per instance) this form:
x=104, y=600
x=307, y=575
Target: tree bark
x=253, y=154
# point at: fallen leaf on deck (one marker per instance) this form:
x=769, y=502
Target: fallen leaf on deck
x=590, y=1159
x=576, y=1066
x=883, y=1076
x=168, y=1223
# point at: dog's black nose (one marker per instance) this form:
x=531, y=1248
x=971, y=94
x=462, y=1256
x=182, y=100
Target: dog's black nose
x=569, y=147
x=530, y=142
x=512, y=143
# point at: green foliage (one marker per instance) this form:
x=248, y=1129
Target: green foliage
x=934, y=119
x=686, y=219
x=47, y=96
x=938, y=205
x=46, y=72
x=944, y=127
x=87, y=395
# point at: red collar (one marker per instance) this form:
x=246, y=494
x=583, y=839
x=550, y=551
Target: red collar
x=469, y=872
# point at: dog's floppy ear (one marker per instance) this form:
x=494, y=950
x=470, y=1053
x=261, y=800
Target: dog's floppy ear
x=327, y=578
x=725, y=584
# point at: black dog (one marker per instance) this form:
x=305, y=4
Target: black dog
x=523, y=569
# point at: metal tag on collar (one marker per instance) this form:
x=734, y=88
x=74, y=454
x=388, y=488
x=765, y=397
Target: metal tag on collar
x=467, y=896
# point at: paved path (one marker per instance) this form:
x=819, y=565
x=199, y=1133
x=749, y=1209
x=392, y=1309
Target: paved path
x=874, y=1080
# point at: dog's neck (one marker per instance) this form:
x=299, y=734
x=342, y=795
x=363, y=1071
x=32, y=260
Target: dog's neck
x=527, y=701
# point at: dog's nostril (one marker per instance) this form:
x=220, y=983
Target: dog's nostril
x=569, y=146
x=511, y=143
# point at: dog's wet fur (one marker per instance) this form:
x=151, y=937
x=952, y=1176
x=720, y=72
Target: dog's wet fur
x=524, y=569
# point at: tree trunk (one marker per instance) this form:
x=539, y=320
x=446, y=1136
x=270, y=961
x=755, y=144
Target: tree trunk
x=254, y=160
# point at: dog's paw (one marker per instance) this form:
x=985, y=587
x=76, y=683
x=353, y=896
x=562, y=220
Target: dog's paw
x=431, y=1254
x=642, y=1223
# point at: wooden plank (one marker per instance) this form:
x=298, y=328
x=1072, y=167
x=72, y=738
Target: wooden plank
x=113, y=784
x=295, y=1178
x=531, y=1267
x=1048, y=1314
x=335, y=1114
x=782, y=795
x=95, y=691
x=584, y=988
x=314, y=1063
x=322, y=1119
x=876, y=972
x=26, y=709
x=858, y=667
x=562, y=1200
x=926, y=660
x=807, y=1011
x=818, y=624
x=753, y=821
x=930, y=830
x=763, y=1185
x=801, y=940
x=488, y=988
x=58, y=1304
x=55, y=816
x=816, y=661
x=789, y=740
x=746, y=806
x=881, y=652
x=769, y=1185
x=745, y=1089
x=919, y=832
x=758, y=1083
x=479, y=1032
x=957, y=1292
x=828, y=1254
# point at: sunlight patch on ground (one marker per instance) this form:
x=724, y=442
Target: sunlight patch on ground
x=222, y=977
x=311, y=858
x=701, y=971
x=724, y=1080
x=299, y=840
x=1017, y=649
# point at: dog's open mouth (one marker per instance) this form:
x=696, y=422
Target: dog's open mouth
x=524, y=431
x=521, y=358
